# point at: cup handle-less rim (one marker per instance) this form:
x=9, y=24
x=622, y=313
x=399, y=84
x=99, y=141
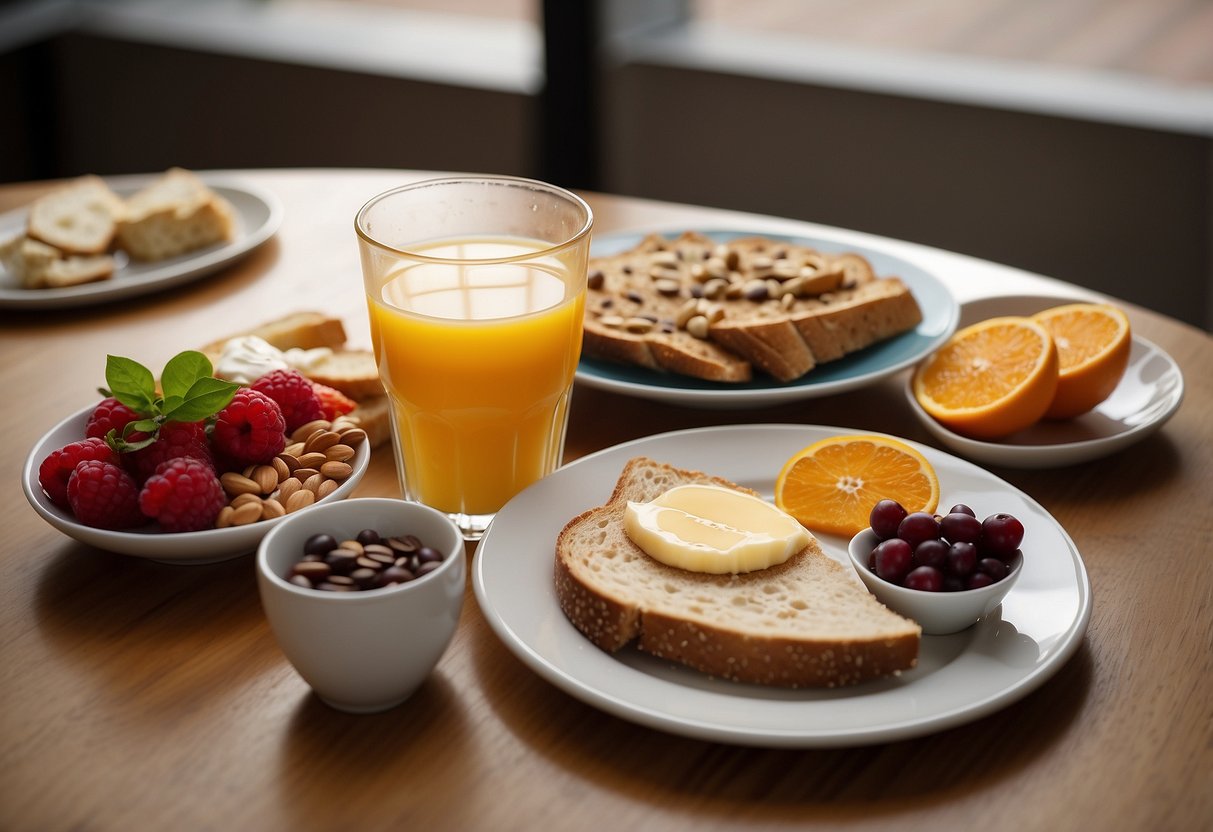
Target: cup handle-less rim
x=512, y=181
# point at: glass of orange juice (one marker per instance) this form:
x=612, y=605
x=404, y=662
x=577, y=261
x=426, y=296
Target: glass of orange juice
x=475, y=290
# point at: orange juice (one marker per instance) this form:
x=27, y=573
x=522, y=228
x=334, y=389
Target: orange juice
x=478, y=361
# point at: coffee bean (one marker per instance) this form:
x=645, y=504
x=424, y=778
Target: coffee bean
x=367, y=561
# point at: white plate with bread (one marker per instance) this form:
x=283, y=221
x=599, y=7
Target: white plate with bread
x=96, y=240
x=958, y=678
x=804, y=337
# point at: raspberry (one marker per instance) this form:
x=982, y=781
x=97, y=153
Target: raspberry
x=184, y=495
x=250, y=429
x=294, y=395
x=176, y=439
x=55, y=470
x=111, y=414
x=333, y=402
x=104, y=496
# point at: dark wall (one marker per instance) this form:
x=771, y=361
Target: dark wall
x=123, y=108
x=1117, y=209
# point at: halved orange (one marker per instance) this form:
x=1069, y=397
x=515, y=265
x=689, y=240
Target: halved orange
x=831, y=485
x=1093, y=342
x=990, y=379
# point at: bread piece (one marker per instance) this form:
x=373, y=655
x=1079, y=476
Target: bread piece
x=36, y=265
x=174, y=215
x=807, y=622
x=757, y=302
x=304, y=330
x=353, y=372
x=80, y=217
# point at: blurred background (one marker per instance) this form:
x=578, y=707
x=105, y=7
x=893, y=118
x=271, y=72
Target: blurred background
x=1073, y=138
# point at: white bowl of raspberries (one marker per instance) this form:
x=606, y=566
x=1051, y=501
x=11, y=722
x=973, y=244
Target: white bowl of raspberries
x=944, y=571
x=192, y=469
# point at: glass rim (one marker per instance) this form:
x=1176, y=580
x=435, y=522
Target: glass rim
x=512, y=181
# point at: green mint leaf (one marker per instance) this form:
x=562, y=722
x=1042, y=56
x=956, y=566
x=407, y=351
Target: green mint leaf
x=206, y=397
x=131, y=383
x=182, y=371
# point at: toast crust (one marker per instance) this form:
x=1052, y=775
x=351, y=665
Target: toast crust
x=723, y=311
x=612, y=616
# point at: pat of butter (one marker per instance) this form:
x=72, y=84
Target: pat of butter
x=705, y=528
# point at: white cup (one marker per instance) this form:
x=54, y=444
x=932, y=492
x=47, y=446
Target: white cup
x=367, y=651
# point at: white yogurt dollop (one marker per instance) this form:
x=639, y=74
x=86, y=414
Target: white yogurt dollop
x=248, y=358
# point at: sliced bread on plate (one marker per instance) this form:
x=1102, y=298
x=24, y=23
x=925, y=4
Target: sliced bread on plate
x=807, y=622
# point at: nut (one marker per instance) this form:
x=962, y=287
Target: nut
x=283, y=468
x=339, y=453
x=312, y=483
x=287, y=488
x=319, y=442
x=294, y=451
x=612, y=321
x=685, y=312
x=336, y=470
x=271, y=508
x=246, y=497
x=234, y=484
x=302, y=432
x=225, y=517
x=326, y=488
x=311, y=460
x=638, y=325
x=698, y=326
x=247, y=513
x=266, y=478
x=353, y=437
x=300, y=499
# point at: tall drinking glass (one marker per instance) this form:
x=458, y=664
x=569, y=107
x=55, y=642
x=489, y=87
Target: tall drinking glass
x=475, y=289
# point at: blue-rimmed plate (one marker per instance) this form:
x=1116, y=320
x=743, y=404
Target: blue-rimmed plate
x=939, y=310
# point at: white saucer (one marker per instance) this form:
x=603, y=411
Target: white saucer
x=1148, y=395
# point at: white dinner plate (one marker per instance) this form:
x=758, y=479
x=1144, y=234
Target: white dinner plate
x=1146, y=397
x=207, y=546
x=959, y=677
x=258, y=214
x=939, y=318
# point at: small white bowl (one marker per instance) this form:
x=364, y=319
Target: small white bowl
x=938, y=613
x=368, y=651
x=207, y=546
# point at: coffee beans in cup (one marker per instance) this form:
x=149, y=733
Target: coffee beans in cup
x=364, y=562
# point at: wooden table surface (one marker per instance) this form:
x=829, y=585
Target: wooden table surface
x=138, y=695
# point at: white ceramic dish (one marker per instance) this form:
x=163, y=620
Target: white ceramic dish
x=363, y=652
x=1148, y=395
x=938, y=613
x=210, y=546
x=258, y=215
x=959, y=678
x=940, y=314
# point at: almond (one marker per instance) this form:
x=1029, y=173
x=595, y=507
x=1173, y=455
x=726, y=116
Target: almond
x=326, y=488
x=235, y=484
x=225, y=517
x=247, y=513
x=300, y=499
x=340, y=453
x=271, y=508
x=266, y=478
x=321, y=441
x=313, y=459
x=302, y=432
x=287, y=488
x=336, y=470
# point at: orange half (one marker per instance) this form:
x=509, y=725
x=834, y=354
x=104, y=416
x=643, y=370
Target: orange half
x=831, y=486
x=1093, y=342
x=990, y=379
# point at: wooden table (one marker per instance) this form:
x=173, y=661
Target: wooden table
x=137, y=695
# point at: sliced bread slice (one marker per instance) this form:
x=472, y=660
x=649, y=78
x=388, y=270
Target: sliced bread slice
x=750, y=302
x=174, y=215
x=80, y=217
x=807, y=622
x=35, y=265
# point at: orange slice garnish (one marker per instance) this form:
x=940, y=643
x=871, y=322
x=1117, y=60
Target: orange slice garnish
x=990, y=379
x=831, y=485
x=1093, y=342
